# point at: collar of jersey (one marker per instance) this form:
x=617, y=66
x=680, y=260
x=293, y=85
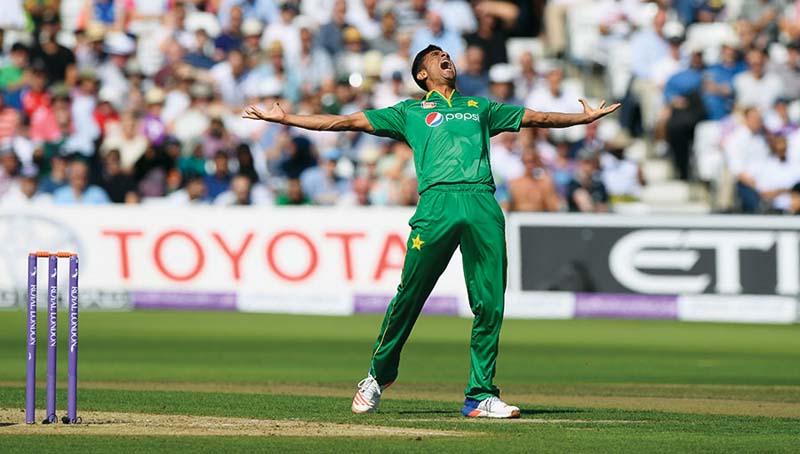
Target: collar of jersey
x=452, y=93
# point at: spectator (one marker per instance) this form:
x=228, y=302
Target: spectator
x=260, y=10
x=778, y=120
x=745, y=150
x=293, y=195
x=219, y=181
x=789, y=71
x=9, y=168
x=366, y=17
x=193, y=193
x=127, y=138
x=285, y=31
x=718, y=89
x=119, y=47
x=648, y=46
x=229, y=76
x=321, y=183
x=113, y=180
x=527, y=78
x=358, y=195
x=243, y=192
x=386, y=41
x=534, y=190
x=330, y=34
x=78, y=190
x=407, y=193
x=622, y=178
x=12, y=72
x=501, y=84
x=231, y=36
x=757, y=87
x=586, y=192
x=774, y=178
x=683, y=98
x=23, y=190
x=554, y=96
x=473, y=80
x=491, y=35
x=316, y=63
x=59, y=61
x=57, y=177
x=435, y=33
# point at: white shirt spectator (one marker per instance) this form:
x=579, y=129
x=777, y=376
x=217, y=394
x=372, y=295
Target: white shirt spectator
x=175, y=103
x=761, y=93
x=566, y=100
x=774, y=174
x=287, y=34
x=231, y=90
x=620, y=176
x=744, y=150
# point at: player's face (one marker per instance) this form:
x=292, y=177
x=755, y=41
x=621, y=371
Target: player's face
x=440, y=67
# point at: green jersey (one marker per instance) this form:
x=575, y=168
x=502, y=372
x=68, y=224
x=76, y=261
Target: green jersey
x=450, y=137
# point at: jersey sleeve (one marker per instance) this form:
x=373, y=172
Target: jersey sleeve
x=388, y=122
x=504, y=117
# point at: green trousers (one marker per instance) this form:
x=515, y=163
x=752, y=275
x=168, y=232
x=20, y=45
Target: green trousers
x=450, y=216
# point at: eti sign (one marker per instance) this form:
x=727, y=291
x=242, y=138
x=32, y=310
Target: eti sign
x=637, y=258
x=670, y=255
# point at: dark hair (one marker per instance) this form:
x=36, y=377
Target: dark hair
x=417, y=65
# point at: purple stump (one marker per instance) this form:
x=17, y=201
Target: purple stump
x=52, y=337
x=72, y=367
x=30, y=340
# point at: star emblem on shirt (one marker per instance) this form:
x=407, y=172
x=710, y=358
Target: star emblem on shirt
x=472, y=103
x=416, y=243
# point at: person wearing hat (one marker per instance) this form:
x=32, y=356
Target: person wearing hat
x=501, y=84
x=449, y=134
x=118, y=48
x=152, y=124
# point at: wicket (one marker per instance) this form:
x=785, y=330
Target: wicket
x=52, y=318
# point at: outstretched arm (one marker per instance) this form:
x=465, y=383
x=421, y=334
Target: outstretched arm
x=534, y=119
x=353, y=122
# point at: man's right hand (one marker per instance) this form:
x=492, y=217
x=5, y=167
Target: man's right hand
x=274, y=115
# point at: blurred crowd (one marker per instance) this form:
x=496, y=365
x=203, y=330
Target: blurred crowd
x=140, y=101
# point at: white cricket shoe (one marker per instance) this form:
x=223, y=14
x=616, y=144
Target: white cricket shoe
x=368, y=396
x=492, y=407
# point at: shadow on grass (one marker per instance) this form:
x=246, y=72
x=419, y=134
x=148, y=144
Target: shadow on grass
x=449, y=411
x=550, y=411
x=6, y=424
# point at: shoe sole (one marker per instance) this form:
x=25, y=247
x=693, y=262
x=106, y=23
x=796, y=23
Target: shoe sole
x=479, y=414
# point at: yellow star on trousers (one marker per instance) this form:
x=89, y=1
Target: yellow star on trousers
x=471, y=103
x=416, y=243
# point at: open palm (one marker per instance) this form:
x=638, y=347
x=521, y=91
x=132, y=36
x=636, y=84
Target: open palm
x=274, y=114
x=599, y=111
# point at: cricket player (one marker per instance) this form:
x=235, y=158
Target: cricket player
x=449, y=134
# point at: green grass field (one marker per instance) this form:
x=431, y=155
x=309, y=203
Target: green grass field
x=583, y=386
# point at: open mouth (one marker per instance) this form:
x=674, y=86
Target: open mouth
x=445, y=65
